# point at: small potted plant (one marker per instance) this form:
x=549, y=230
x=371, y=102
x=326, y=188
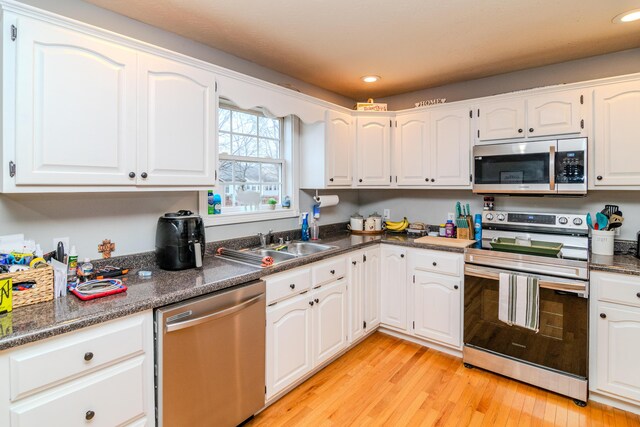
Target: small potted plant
x=271, y=203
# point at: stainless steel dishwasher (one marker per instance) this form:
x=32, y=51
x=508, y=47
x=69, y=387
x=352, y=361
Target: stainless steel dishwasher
x=210, y=356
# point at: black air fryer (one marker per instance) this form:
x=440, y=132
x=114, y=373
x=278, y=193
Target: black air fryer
x=180, y=241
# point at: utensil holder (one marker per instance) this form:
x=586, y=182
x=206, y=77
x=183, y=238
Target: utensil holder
x=602, y=242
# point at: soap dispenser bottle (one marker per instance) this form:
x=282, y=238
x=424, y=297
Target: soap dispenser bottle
x=305, y=226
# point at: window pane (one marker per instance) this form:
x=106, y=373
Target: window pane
x=244, y=123
x=270, y=192
x=269, y=128
x=224, y=143
x=269, y=148
x=246, y=172
x=270, y=172
x=224, y=119
x=224, y=171
x=245, y=146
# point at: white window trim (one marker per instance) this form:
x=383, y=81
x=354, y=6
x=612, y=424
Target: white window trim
x=291, y=132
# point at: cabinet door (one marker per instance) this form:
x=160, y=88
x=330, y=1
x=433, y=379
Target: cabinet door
x=393, y=287
x=437, y=304
x=371, y=285
x=355, y=276
x=450, y=147
x=618, y=346
x=330, y=333
x=373, y=151
x=177, y=123
x=411, y=148
x=501, y=120
x=339, y=149
x=289, y=355
x=553, y=114
x=76, y=108
x=616, y=147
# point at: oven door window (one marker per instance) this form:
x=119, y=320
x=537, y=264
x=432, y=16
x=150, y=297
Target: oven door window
x=561, y=343
x=512, y=169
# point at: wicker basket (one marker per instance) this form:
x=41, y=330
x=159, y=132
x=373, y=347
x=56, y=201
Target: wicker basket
x=41, y=292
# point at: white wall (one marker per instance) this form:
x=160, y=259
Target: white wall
x=432, y=206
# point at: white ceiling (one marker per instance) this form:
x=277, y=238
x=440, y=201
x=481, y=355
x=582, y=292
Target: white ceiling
x=412, y=44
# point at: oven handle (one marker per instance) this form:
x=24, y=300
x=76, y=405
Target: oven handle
x=554, y=283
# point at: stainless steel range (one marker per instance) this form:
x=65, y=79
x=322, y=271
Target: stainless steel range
x=554, y=357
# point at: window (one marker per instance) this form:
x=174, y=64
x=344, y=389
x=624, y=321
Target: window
x=251, y=161
x=255, y=154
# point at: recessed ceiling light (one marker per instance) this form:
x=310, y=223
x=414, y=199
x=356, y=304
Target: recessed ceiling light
x=631, y=15
x=370, y=79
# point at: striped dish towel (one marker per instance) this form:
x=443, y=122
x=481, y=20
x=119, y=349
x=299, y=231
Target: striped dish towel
x=519, y=301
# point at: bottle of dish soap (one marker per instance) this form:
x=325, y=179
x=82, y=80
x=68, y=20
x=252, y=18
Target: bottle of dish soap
x=305, y=226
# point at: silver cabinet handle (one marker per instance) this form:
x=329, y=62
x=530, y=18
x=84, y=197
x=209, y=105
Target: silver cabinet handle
x=212, y=316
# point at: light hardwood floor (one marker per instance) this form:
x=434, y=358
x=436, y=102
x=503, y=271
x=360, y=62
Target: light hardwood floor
x=388, y=381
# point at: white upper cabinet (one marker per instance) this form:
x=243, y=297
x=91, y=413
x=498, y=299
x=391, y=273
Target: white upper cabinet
x=547, y=114
x=411, y=149
x=339, y=149
x=617, y=134
x=450, y=147
x=177, y=110
x=502, y=119
x=373, y=138
x=75, y=107
x=327, y=150
x=554, y=114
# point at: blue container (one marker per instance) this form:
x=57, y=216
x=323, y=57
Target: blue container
x=477, y=228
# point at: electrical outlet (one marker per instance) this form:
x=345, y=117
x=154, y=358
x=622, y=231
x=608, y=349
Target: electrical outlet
x=387, y=214
x=451, y=216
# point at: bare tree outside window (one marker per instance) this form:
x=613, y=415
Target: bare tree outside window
x=250, y=158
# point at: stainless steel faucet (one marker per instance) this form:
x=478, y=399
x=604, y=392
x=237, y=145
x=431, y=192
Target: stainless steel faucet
x=266, y=239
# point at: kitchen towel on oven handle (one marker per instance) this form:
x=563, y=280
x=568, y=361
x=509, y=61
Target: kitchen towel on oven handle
x=519, y=301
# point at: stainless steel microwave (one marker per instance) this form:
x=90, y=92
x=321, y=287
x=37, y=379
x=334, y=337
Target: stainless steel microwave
x=556, y=166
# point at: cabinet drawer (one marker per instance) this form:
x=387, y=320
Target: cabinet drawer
x=44, y=365
x=618, y=288
x=326, y=271
x=111, y=397
x=436, y=262
x=289, y=283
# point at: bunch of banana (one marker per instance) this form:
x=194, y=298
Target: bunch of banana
x=397, y=226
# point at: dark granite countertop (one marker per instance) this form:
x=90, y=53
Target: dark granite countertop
x=43, y=320
x=625, y=264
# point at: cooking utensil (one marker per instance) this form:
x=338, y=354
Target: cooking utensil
x=590, y=221
x=602, y=220
x=610, y=210
x=458, y=210
x=614, y=225
x=616, y=219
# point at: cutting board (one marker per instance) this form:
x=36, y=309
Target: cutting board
x=445, y=241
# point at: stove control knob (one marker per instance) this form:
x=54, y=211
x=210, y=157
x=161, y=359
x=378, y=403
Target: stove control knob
x=488, y=216
x=563, y=220
x=500, y=217
x=577, y=221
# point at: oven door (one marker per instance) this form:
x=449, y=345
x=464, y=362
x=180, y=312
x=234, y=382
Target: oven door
x=561, y=343
x=527, y=167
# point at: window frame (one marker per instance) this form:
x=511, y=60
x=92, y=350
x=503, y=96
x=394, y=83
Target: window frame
x=289, y=135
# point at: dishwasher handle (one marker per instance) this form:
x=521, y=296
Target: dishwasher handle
x=212, y=316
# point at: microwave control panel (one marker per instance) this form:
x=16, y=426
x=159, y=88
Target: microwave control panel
x=570, y=167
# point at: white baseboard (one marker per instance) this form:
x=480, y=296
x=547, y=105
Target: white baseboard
x=616, y=402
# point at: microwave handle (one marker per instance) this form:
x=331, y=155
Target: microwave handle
x=579, y=288
x=552, y=168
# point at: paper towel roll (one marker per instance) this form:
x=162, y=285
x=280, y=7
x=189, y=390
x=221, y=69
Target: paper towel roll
x=325, y=201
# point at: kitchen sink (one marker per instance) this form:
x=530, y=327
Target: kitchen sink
x=278, y=256
x=289, y=252
x=308, y=248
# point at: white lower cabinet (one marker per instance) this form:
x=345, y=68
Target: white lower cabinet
x=615, y=336
x=100, y=375
x=371, y=288
x=289, y=354
x=304, y=332
x=437, y=307
x=393, y=286
x=364, y=292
